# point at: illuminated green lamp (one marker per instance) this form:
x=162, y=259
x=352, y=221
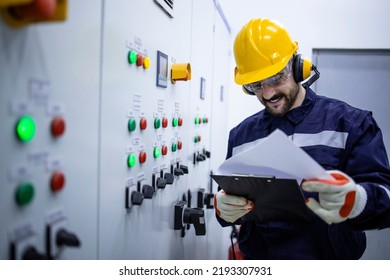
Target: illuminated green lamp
x=132, y=57
x=156, y=152
x=25, y=128
x=175, y=122
x=131, y=160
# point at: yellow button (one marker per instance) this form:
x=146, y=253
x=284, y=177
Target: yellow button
x=146, y=62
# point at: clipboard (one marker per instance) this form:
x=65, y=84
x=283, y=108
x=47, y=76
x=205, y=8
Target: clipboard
x=274, y=199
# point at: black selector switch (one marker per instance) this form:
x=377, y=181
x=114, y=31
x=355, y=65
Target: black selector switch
x=207, y=153
x=195, y=216
x=58, y=237
x=137, y=198
x=200, y=157
x=184, y=216
x=209, y=200
x=66, y=238
x=200, y=202
x=169, y=178
x=184, y=168
x=161, y=183
x=31, y=253
x=178, y=172
x=158, y=182
x=205, y=198
x=147, y=191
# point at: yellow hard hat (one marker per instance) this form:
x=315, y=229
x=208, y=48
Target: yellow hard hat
x=262, y=48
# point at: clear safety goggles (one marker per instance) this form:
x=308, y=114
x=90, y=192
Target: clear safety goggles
x=276, y=80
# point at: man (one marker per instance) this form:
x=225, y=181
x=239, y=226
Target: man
x=346, y=141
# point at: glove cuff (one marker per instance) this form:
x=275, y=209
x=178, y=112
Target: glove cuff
x=360, y=203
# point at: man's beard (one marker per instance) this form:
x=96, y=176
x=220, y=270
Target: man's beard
x=289, y=100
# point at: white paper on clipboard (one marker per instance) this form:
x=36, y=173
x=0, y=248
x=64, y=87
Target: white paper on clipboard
x=275, y=155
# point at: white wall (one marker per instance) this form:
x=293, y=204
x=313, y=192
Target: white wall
x=314, y=24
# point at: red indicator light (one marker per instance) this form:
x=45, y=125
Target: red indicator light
x=142, y=157
x=57, y=181
x=164, y=150
x=58, y=126
x=143, y=123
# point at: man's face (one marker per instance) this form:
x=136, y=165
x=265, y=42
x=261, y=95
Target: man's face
x=280, y=99
x=278, y=93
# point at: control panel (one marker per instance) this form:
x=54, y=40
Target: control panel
x=113, y=120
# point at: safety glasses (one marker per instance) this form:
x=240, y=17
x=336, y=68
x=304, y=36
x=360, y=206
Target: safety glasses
x=276, y=80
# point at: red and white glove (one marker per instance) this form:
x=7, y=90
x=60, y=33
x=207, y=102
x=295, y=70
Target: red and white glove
x=231, y=207
x=339, y=199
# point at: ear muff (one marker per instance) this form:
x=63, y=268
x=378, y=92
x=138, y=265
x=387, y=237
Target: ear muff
x=301, y=68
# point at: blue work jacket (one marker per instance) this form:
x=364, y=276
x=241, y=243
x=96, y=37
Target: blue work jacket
x=338, y=136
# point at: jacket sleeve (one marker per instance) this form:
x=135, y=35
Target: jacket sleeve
x=367, y=163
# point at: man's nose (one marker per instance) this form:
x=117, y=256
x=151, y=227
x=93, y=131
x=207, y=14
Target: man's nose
x=268, y=92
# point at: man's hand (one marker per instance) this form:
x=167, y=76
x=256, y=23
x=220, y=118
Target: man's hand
x=339, y=199
x=231, y=207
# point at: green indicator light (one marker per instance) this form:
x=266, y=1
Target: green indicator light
x=196, y=139
x=132, y=57
x=132, y=124
x=174, y=147
x=25, y=128
x=175, y=122
x=156, y=152
x=24, y=194
x=157, y=123
x=131, y=160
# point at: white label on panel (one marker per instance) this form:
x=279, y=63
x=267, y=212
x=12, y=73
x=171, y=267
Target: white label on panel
x=19, y=108
x=38, y=157
x=54, y=164
x=141, y=176
x=20, y=172
x=130, y=182
x=55, y=216
x=55, y=109
x=39, y=89
x=21, y=232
